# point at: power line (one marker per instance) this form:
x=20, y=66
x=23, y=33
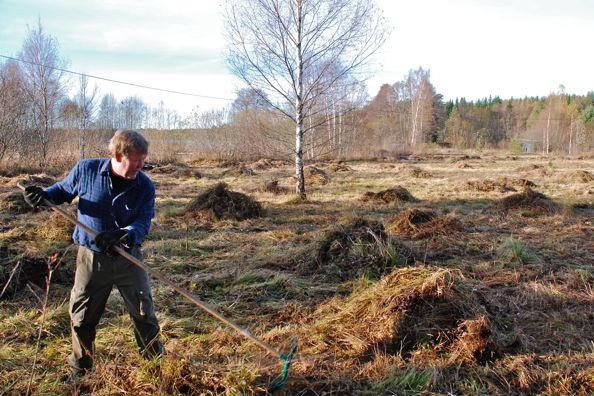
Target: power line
x=116, y=81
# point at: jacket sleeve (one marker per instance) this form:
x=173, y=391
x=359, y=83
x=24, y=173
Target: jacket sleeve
x=139, y=228
x=67, y=189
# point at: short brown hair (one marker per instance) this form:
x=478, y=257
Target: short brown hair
x=125, y=141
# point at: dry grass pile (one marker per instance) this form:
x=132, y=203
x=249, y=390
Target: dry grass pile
x=56, y=229
x=315, y=176
x=352, y=249
x=239, y=171
x=218, y=203
x=392, y=195
x=416, y=172
x=579, y=176
x=464, y=157
x=535, y=170
x=462, y=165
x=502, y=184
x=273, y=187
x=13, y=203
x=410, y=312
x=422, y=223
x=339, y=167
x=175, y=171
x=336, y=242
x=266, y=163
x=530, y=200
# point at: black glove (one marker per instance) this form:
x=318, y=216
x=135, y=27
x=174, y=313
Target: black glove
x=35, y=196
x=107, y=239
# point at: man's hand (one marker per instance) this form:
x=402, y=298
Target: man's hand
x=107, y=239
x=35, y=196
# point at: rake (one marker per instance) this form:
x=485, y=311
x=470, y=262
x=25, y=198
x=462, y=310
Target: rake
x=285, y=358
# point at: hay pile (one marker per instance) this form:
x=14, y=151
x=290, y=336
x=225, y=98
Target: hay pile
x=56, y=229
x=239, y=171
x=335, y=242
x=502, y=184
x=416, y=172
x=175, y=171
x=266, y=163
x=14, y=203
x=339, y=167
x=409, y=311
x=392, y=195
x=272, y=186
x=527, y=200
x=579, y=176
x=218, y=203
x=315, y=176
x=535, y=170
x=421, y=223
x=462, y=165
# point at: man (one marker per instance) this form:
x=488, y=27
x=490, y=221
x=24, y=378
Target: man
x=116, y=200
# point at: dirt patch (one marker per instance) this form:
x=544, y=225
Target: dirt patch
x=392, y=195
x=409, y=310
x=218, y=203
x=27, y=270
x=579, y=176
x=502, y=184
x=529, y=200
x=422, y=223
x=273, y=187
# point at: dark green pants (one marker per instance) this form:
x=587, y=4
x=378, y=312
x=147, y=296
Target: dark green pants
x=96, y=274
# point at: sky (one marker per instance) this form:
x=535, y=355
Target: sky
x=473, y=48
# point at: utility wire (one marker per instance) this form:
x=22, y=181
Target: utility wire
x=116, y=81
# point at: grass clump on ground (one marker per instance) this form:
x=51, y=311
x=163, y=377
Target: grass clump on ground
x=392, y=195
x=530, y=200
x=418, y=223
x=219, y=202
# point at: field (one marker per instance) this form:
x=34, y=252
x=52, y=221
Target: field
x=458, y=280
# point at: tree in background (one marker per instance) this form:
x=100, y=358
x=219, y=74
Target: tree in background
x=86, y=101
x=297, y=50
x=44, y=86
x=13, y=106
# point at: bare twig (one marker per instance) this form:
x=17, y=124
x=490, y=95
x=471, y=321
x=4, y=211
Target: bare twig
x=10, y=277
x=52, y=264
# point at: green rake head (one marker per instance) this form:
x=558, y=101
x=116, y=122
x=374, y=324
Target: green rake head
x=287, y=359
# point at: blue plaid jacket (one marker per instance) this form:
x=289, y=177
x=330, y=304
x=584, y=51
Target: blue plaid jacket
x=131, y=210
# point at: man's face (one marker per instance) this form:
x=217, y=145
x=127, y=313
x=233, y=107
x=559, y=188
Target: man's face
x=130, y=165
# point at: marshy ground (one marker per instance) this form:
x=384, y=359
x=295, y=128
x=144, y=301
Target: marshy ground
x=462, y=274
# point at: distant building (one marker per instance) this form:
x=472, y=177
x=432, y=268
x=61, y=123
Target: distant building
x=528, y=145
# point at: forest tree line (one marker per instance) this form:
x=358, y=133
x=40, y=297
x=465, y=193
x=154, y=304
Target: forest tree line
x=46, y=114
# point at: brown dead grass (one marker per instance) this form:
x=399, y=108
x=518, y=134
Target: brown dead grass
x=273, y=187
x=396, y=194
x=315, y=176
x=422, y=223
x=530, y=200
x=409, y=310
x=579, y=176
x=416, y=172
x=340, y=167
x=502, y=184
x=267, y=163
x=219, y=202
x=14, y=203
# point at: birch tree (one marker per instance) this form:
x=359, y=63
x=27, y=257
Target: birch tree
x=44, y=84
x=295, y=51
x=87, y=106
